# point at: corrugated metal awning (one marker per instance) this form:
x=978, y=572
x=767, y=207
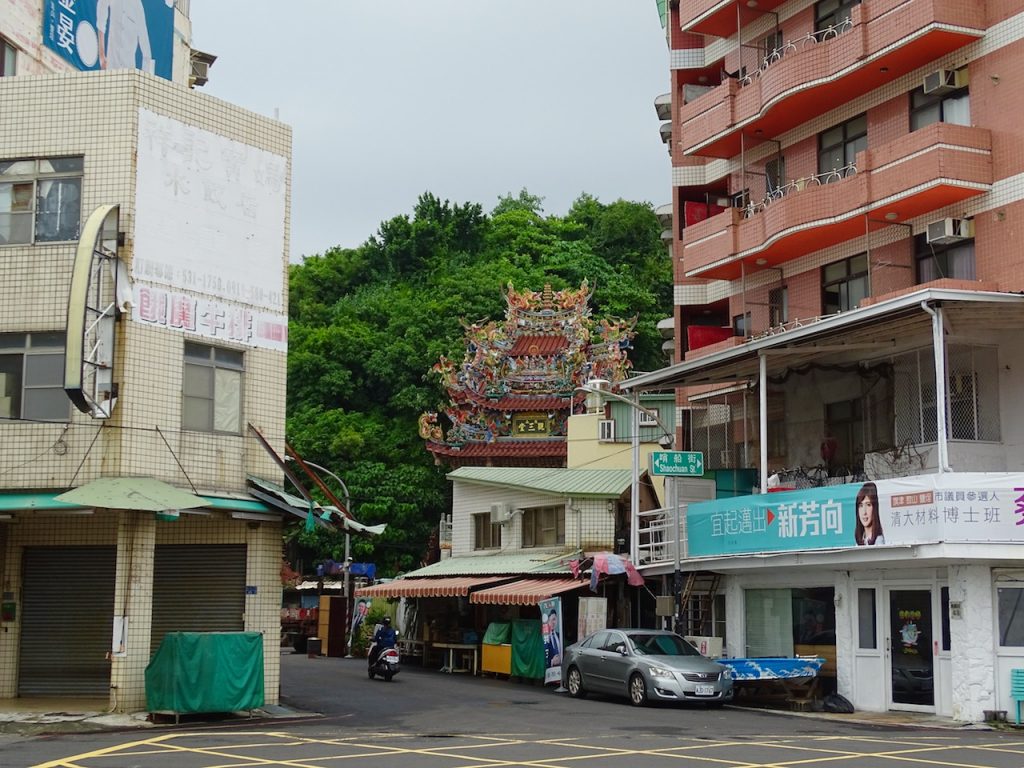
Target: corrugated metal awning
x=454, y=586
x=135, y=493
x=525, y=591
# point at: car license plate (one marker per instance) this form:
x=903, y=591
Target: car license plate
x=705, y=690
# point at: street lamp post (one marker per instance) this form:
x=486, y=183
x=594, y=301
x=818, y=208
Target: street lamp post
x=601, y=389
x=348, y=508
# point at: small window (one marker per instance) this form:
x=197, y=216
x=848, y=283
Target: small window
x=934, y=261
x=486, y=535
x=778, y=306
x=544, y=526
x=844, y=284
x=646, y=418
x=741, y=325
x=947, y=641
x=32, y=377
x=771, y=44
x=8, y=59
x=40, y=200
x=606, y=430
x=953, y=107
x=838, y=148
x=832, y=13
x=1011, y=617
x=212, y=389
x=867, y=632
x=775, y=174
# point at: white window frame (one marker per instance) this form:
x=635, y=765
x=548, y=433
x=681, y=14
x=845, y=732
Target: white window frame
x=223, y=390
x=40, y=200
x=32, y=384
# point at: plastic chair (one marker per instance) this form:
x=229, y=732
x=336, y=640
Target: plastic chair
x=1017, y=689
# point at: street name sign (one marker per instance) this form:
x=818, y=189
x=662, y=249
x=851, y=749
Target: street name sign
x=677, y=463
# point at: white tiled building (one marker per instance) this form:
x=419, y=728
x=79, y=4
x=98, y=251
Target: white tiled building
x=193, y=197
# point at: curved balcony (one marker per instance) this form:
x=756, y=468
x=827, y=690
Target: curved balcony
x=906, y=178
x=885, y=40
x=718, y=17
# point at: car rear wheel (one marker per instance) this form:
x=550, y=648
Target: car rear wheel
x=637, y=690
x=574, y=683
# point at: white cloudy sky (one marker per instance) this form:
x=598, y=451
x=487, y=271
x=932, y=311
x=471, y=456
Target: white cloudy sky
x=469, y=99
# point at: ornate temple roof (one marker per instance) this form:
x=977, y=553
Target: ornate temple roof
x=517, y=384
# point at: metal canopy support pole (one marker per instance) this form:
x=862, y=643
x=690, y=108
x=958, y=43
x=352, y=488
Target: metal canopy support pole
x=677, y=577
x=939, y=354
x=762, y=418
x=634, y=495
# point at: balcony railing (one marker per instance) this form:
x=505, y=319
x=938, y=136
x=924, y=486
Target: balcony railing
x=884, y=40
x=919, y=172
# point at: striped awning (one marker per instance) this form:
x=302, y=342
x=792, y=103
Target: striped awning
x=525, y=591
x=452, y=586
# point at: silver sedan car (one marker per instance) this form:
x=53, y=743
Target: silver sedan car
x=645, y=665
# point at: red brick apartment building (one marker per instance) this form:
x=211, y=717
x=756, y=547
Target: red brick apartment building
x=847, y=233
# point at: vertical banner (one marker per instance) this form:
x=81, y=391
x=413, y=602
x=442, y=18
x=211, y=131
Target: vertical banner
x=359, y=611
x=551, y=618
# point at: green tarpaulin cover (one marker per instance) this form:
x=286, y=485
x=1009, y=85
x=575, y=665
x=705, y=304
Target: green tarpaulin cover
x=497, y=633
x=206, y=672
x=527, y=649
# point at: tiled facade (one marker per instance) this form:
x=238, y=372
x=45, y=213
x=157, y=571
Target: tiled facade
x=47, y=110
x=779, y=228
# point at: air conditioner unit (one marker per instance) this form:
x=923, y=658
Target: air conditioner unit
x=606, y=430
x=500, y=513
x=943, y=80
x=200, y=67
x=949, y=231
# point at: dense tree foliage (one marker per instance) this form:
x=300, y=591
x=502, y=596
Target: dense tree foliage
x=367, y=324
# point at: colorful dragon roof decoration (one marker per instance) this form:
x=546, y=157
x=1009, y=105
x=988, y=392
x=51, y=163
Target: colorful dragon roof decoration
x=518, y=380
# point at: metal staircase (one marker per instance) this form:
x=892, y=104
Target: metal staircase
x=698, y=599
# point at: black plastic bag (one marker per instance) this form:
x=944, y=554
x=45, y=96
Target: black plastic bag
x=837, y=703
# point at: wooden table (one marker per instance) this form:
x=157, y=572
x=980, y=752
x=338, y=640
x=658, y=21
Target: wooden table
x=461, y=647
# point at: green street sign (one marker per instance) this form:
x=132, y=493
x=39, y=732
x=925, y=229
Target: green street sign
x=677, y=463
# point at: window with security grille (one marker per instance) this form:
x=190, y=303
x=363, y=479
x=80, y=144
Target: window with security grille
x=972, y=395
x=212, y=389
x=544, y=526
x=486, y=535
x=711, y=433
x=40, y=200
x=32, y=377
x=778, y=306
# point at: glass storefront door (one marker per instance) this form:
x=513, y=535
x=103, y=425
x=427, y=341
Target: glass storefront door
x=911, y=658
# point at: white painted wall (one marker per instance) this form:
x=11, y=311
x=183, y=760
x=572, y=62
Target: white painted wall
x=586, y=520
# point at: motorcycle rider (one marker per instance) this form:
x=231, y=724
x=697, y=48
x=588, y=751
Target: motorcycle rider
x=385, y=637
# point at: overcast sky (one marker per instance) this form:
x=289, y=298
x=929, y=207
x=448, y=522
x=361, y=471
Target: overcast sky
x=469, y=99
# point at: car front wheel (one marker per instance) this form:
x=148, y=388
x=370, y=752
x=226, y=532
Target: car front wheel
x=637, y=690
x=574, y=683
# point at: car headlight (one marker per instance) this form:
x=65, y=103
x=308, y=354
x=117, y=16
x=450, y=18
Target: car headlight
x=657, y=671
x=727, y=673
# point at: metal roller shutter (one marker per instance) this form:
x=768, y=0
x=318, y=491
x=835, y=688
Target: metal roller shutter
x=67, y=616
x=197, y=588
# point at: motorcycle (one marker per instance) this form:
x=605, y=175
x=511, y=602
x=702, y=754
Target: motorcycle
x=386, y=664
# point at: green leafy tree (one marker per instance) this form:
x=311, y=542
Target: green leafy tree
x=368, y=323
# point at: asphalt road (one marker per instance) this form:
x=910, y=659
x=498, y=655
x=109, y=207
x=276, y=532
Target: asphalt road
x=425, y=719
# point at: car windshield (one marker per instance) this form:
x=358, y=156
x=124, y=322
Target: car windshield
x=645, y=644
